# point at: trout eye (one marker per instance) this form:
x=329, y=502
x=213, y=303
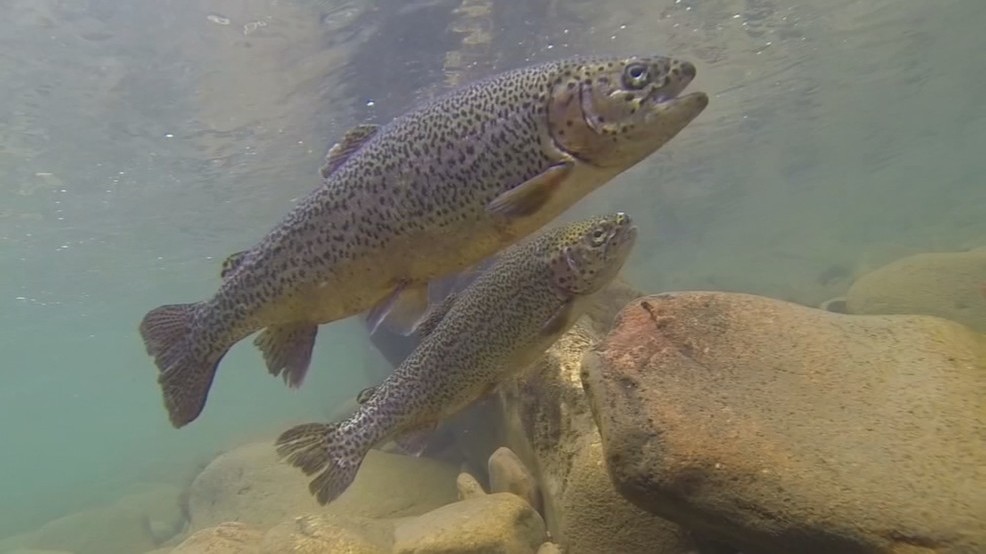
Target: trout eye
x=636, y=76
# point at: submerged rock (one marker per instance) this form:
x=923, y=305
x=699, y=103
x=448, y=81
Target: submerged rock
x=317, y=534
x=781, y=428
x=509, y=474
x=549, y=425
x=468, y=486
x=502, y=523
x=250, y=484
x=229, y=537
x=35, y=551
x=945, y=284
x=138, y=522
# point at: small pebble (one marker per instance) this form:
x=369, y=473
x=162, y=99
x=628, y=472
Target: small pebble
x=218, y=19
x=509, y=474
x=468, y=486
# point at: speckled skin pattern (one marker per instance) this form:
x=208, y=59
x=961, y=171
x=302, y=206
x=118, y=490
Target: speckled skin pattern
x=498, y=325
x=412, y=203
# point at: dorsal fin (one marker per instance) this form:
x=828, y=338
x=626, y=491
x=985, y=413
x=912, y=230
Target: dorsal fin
x=232, y=262
x=430, y=320
x=351, y=142
x=365, y=394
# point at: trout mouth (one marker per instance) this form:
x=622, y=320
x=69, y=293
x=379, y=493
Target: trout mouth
x=659, y=102
x=684, y=107
x=626, y=237
x=659, y=96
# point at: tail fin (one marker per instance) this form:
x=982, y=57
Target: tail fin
x=186, y=370
x=324, y=449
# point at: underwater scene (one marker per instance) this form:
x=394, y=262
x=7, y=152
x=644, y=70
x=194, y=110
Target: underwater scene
x=493, y=277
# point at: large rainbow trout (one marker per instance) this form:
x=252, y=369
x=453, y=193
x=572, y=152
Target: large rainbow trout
x=431, y=193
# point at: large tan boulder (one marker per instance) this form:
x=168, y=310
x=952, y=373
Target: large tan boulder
x=945, y=284
x=252, y=485
x=782, y=428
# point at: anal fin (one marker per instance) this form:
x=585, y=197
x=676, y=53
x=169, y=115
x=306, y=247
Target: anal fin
x=287, y=350
x=401, y=311
x=414, y=441
x=434, y=316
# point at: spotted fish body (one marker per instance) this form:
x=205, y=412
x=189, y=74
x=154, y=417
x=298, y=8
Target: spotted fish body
x=429, y=194
x=498, y=325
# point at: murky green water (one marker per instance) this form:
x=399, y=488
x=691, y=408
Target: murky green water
x=142, y=142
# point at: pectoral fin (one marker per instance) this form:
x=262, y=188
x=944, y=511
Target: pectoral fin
x=352, y=141
x=232, y=262
x=365, y=394
x=401, y=311
x=531, y=195
x=561, y=320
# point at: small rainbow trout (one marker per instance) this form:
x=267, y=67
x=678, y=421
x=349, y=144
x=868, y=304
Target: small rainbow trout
x=497, y=326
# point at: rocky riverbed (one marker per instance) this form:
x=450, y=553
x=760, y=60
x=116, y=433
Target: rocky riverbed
x=676, y=423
